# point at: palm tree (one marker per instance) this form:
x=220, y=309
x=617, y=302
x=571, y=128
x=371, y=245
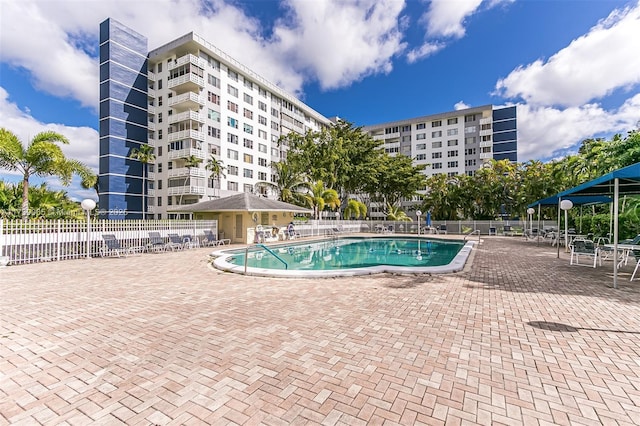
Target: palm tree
x=216, y=167
x=144, y=155
x=396, y=214
x=356, y=209
x=189, y=163
x=289, y=184
x=320, y=196
x=41, y=157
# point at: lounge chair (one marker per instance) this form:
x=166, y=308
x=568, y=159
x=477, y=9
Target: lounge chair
x=507, y=230
x=175, y=242
x=584, y=248
x=189, y=241
x=632, y=241
x=210, y=239
x=156, y=242
x=636, y=254
x=442, y=229
x=112, y=246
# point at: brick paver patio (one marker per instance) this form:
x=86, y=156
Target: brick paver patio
x=520, y=337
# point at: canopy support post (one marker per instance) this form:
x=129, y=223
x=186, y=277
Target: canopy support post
x=616, y=194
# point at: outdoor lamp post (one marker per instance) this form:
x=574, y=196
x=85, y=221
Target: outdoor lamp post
x=530, y=212
x=566, y=205
x=418, y=213
x=337, y=215
x=87, y=205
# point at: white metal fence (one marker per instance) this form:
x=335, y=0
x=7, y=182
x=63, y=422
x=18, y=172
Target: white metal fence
x=42, y=241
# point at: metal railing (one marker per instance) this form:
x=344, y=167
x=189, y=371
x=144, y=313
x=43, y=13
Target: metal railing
x=52, y=240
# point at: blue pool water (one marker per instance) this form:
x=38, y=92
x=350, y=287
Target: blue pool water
x=355, y=255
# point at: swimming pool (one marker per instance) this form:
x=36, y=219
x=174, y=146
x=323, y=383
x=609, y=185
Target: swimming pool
x=348, y=256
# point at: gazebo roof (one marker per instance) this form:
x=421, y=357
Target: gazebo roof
x=241, y=202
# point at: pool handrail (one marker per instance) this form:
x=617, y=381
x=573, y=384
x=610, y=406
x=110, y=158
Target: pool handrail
x=471, y=233
x=286, y=266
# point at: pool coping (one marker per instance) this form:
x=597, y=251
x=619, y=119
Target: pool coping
x=457, y=264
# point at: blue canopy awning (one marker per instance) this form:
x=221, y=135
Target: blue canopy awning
x=575, y=199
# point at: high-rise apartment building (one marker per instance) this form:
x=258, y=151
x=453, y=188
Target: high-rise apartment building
x=194, y=104
x=197, y=106
x=456, y=142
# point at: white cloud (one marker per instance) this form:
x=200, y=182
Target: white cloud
x=340, y=42
x=460, y=105
x=445, y=19
x=593, y=66
x=83, y=141
x=333, y=41
x=545, y=131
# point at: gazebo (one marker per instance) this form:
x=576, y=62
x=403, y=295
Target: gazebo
x=238, y=212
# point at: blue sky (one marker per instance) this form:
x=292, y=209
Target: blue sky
x=572, y=67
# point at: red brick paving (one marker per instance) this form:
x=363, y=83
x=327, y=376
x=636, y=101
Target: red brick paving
x=163, y=339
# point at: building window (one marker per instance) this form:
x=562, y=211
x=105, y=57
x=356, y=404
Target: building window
x=262, y=120
x=213, y=115
x=470, y=118
x=248, y=114
x=231, y=106
x=248, y=188
x=159, y=167
x=232, y=154
x=262, y=176
x=436, y=134
x=232, y=122
x=232, y=186
x=213, y=98
x=421, y=146
x=232, y=75
x=437, y=123
x=486, y=138
x=262, y=134
x=232, y=139
x=262, y=106
x=159, y=184
x=471, y=151
x=262, y=162
x=421, y=157
x=159, y=202
x=232, y=91
x=159, y=151
x=471, y=163
x=233, y=170
x=436, y=165
x=248, y=173
x=452, y=164
x=248, y=99
x=452, y=142
x=436, y=144
x=421, y=126
x=214, y=81
x=452, y=132
x=213, y=132
x=275, y=126
x=451, y=121
x=406, y=138
x=470, y=129
x=469, y=140
x=406, y=128
x=483, y=127
x=248, y=158
x=436, y=155
x=421, y=136
x=159, y=67
x=453, y=153
x=262, y=148
x=248, y=128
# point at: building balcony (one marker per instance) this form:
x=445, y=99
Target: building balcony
x=189, y=100
x=186, y=116
x=151, y=109
x=186, y=134
x=151, y=76
x=186, y=190
x=152, y=142
x=151, y=192
x=150, y=209
x=151, y=93
x=487, y=120
x=188, y=59
x=486, y=155
x=186, y=172
x=487, y=132
x=485, y=144
x=151, y=175
x=186, y=153
x=151, y=125
x=186, y=82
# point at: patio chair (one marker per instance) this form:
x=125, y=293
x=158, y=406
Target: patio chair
x=507, y=230
x=442, y=229
x=189, y=241
x=175, y=242
x=584, y=248
x=636, y=254
x=156, y=242
x=112, y=246
x=210, y=239
x=632, y=241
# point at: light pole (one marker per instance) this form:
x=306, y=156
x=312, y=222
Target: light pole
x=418, y=214
x=87, y=205
x=566, y=205
x=530, y=212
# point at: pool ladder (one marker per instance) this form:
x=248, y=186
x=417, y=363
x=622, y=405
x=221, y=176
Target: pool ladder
x=246, y=256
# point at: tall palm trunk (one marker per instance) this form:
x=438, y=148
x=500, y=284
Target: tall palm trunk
x=25, y=197
x=144, y=191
